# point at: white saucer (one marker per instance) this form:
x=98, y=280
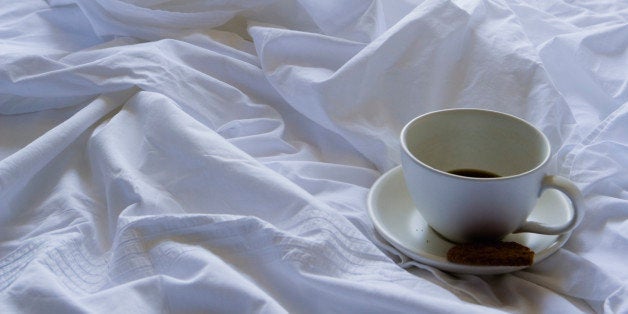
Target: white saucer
x=398, y=221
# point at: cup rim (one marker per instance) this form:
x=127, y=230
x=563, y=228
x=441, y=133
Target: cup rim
x=402, y=138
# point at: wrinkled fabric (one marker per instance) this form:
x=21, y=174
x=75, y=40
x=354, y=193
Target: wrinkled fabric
x=215, y=156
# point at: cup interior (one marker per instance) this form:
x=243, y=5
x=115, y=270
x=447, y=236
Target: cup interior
x=475, y=139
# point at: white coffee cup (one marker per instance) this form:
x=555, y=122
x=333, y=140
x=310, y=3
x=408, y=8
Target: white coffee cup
x=462, y=208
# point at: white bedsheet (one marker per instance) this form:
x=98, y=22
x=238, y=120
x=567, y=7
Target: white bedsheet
x=215, y=156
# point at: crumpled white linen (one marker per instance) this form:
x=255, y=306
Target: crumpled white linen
x=164, y=156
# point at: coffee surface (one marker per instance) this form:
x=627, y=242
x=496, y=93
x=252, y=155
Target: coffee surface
x=474, y=173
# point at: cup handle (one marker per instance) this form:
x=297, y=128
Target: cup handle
x=568, y=188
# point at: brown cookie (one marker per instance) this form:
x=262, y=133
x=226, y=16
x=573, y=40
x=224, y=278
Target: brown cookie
x=491, y=254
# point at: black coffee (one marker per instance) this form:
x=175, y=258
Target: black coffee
x=474, y=173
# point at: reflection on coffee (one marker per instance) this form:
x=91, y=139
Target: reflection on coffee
x=474, y=173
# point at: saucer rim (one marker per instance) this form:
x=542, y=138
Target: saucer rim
x=438, y=261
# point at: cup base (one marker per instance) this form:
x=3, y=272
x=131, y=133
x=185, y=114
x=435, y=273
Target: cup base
x=471, y=240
